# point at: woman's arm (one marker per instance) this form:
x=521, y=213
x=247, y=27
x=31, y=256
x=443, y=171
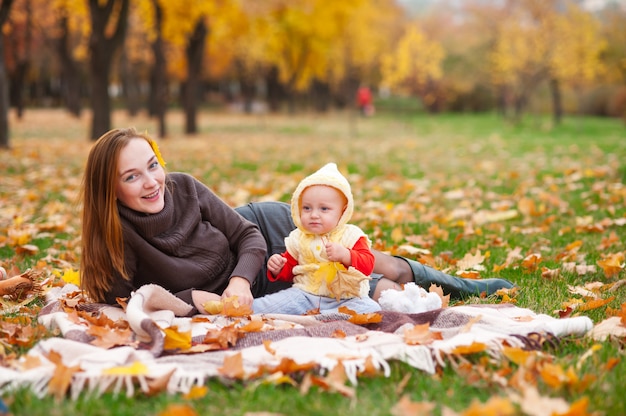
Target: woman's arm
x=244, y=237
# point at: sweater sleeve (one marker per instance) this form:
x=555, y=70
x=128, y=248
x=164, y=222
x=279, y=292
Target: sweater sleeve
x=244, y=237
x=362, y=257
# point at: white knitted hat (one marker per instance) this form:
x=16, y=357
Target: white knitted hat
x=328, y=175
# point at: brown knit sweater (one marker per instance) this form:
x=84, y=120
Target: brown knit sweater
x=196, y=242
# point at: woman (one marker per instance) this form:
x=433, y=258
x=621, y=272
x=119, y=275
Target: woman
x=142, y=225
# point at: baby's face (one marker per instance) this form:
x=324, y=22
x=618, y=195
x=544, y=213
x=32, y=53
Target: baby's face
x=321, y=208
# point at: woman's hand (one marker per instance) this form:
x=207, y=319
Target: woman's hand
x=240, y=287
x=201, y=297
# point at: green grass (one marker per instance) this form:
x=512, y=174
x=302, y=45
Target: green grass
x=411, y=171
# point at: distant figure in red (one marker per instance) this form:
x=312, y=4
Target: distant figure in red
x=364, y=101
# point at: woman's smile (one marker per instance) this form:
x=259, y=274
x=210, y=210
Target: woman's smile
x=140, y=172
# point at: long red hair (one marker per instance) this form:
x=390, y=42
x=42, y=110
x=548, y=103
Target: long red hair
x=102, y=244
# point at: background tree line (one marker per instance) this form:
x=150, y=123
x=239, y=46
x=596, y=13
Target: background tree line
x=292, y=54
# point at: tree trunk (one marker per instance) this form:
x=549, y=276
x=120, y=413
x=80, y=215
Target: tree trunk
x=130, y=85
x=21, y=57
x=103, y=47
x=4, y=98
x=100, y=100
x=4, y=83
x=70, y=83
x=557, y=102
x=275, y=91
x=502, y=101
x=248, y=93
x=195, y=53
x=320, y=92
x=345, y=95
x=17, y=80
x=520, y=106
x=158, y=78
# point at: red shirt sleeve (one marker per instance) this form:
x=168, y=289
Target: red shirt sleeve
x=286, y=274
x=362, y=257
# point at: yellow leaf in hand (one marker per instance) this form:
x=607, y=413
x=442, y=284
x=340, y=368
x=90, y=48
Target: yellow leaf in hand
x=213, y=307
x=233, y=308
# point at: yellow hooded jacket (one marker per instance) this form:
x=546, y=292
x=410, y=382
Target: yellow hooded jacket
x=315, y=273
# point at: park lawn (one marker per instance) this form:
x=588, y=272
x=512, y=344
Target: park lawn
x=530, y=200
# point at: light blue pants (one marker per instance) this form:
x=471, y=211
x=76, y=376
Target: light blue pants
x=294, y=301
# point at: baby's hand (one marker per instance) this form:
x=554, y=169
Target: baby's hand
x=337, y=252
x=276, y=263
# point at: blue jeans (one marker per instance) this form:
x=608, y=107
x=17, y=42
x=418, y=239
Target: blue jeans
x=294, y=301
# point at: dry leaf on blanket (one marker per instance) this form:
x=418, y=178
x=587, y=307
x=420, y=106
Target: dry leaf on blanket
x=361, y=318
x=73, y=299
x=108, y=337
x=223, y=338
x=267, y=344
x=97, y=319
x=253, y=326
x=62, y=377
x=310, y=312
x=176, y=340
x=420, y=335
x=338, y=333
x=233, y=366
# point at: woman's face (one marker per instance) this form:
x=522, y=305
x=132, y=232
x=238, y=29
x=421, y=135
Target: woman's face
x=140, y=181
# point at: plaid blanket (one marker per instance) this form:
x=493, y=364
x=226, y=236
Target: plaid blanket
x=319, y=341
